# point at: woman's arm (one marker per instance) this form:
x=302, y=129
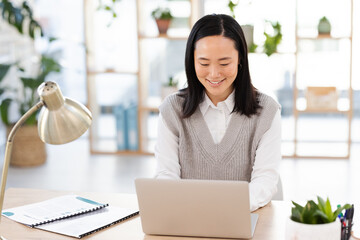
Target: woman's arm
x=166, y=152
x=265, y=176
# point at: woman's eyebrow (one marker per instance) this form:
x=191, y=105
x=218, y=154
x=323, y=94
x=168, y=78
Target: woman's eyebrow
x=220, y=59
x=224, y=58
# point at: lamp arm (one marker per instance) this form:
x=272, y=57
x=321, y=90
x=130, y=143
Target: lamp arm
x=8, y=148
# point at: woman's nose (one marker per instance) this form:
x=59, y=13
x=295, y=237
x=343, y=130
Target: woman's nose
x=214, y=72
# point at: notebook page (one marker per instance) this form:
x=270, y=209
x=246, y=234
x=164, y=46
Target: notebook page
x=52, y=209
x=85, y=224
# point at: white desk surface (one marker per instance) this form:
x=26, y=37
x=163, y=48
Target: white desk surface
x=270, y=226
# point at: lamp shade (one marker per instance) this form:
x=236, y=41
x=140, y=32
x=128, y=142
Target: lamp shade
x=61, y=120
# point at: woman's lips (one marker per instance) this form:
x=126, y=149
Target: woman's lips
x=215, y=83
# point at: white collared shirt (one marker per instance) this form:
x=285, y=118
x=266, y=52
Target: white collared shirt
x=264, y=177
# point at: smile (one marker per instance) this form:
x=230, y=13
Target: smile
x=215, y=83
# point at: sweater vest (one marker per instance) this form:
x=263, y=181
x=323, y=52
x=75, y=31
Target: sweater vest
x=233, y=157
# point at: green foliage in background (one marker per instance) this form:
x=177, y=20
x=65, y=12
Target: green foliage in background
x=162, y=13
x=17, y=16
x=110, y=8
x=25, y=95
x=273, y=40
x=171, y=82
x=29, y=89
x=232, y=6
x=313, y=213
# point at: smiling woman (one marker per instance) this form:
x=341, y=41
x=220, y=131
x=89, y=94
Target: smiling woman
x=220, y=127
x=216, y=66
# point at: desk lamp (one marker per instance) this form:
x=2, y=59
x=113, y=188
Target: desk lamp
x=61, y=120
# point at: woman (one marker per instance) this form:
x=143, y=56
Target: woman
x=220, y=127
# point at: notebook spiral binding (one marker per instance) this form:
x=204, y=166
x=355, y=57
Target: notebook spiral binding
x=111, y=224
x=69, y=216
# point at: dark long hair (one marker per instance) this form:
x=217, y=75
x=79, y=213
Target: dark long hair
x=245, y=93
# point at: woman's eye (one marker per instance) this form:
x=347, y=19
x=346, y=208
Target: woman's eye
x=205, y=65
x=225, y=64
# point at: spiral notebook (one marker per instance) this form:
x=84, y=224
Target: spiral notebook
x=69, y=215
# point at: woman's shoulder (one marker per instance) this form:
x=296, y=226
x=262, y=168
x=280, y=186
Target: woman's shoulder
x=266, y=100
x=172, y=102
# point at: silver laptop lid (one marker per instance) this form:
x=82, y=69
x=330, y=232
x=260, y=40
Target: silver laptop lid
x=201, y=208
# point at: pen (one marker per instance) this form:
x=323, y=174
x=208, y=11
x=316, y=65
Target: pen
x=351, y=214
x=340, y=214
x=348, y=221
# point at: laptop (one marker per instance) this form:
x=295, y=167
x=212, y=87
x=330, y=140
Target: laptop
x=196, y=208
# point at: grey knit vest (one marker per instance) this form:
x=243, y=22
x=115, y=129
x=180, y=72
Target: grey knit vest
x=231, y=159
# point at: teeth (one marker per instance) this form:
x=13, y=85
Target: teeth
x=214, y=82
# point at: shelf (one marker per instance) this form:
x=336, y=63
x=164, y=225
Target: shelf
x=323, y=60
x=321, y=111
x=149, y=109
x=324, y=36
x=315, y=157
x=95, y=72
x=325, y=150
x=343, y=107
x=122, y=153
x=152, y=104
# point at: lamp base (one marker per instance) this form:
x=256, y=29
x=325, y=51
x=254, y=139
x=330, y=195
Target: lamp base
x=28, y=149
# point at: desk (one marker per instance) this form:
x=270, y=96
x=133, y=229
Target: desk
x=271, y=223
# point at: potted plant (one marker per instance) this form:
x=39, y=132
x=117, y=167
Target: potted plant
x=169, y=88
x=324, y=26
x=23, y=97
x=18, y=87
x=316, y=221
x=163, y=18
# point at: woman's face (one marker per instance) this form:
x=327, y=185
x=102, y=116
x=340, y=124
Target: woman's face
x=216, y=66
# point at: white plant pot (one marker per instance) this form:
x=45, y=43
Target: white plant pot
x=248, y=34
x=301, y=231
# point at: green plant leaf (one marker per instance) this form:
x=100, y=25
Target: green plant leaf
x=295, y=215
x=15, y=16
x=49, y=64
x=324, y=218
x=4, y=68
x=325, y=213
x=308, y=214
x=321, y=201
x=52, y=39
x=253, y=47
x=33, y=27
x=4, y=110
x=162, y=13
x=328, y=210
x=271, y=42
x=321, y=204
x=297, y=206
x=29, y=82
x=339, y=210
x=232, y=6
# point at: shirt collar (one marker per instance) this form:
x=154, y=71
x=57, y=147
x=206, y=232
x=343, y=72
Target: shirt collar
x=206, y=103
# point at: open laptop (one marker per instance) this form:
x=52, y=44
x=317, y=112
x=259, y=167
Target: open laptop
x=198, y=208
